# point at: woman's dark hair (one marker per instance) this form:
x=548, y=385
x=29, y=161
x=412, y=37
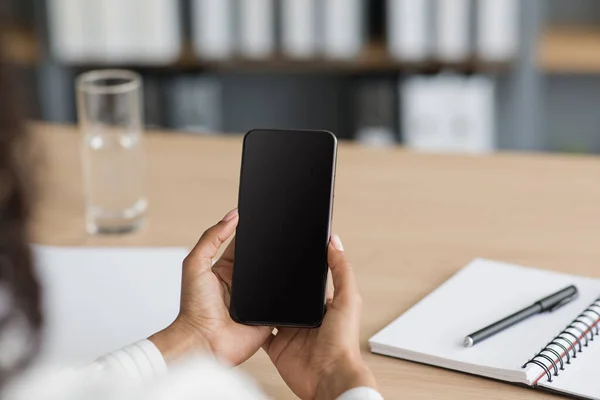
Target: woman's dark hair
x=20, y=314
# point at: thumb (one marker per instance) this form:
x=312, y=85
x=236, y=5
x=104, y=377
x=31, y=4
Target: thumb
x=207, y=247
x=344, y=282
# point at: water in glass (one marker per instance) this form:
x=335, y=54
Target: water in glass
x=113, y=161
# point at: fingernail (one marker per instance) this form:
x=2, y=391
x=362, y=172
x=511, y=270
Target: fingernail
x=230, y=215
x=337, y=242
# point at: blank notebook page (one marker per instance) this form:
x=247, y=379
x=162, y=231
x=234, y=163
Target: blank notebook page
x=484, y=292
x=580, y=378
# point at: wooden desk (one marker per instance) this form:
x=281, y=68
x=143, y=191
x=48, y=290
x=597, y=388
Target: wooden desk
x=408, y=223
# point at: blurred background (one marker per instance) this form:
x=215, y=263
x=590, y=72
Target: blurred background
x=440, y=75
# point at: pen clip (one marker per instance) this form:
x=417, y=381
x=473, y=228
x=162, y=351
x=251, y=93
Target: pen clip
x=564, y=302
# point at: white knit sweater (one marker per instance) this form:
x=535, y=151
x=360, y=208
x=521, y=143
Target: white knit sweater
x=139, y=372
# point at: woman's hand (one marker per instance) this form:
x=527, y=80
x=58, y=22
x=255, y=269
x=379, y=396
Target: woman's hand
x=325, y=362
x=203, y=323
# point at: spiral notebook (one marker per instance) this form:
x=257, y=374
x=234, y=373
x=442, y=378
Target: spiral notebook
x=557, y=351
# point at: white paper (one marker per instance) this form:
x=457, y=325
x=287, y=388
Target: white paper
x=580, y=378
x=96, y=300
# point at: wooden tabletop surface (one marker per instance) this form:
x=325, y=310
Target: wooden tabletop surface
x=408, y=222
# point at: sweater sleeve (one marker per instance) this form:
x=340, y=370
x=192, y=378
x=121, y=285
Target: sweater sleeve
x=361, y=393
x=142, y=360
x=139, y=361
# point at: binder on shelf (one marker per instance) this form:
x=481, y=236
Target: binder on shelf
x=343, y=28
x=257, y=28
x=123, y=31
x=449, y=113
x=477, y=109
x=299, y=28
x=408, y=29
x=94, y=18
x=498, y=29
x=117, y=37
x=212, y=28
x=421, y=125
x=158, y=35
x=452, y=30
x=67, y=34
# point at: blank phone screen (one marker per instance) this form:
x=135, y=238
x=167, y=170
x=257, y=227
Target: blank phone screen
x=285, y=203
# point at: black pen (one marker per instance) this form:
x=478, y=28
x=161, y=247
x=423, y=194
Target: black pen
x=550, y=303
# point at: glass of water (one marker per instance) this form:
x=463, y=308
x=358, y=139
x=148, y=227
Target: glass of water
x=109, y=106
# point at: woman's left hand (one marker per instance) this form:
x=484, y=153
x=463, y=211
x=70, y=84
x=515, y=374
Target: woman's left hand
x=203, y=323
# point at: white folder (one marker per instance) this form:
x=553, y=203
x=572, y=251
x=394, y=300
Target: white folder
x=67, y=33
x=93, y=18
x=407, y=27
x=158, y=33
x=477, y=109
x=449, y=113
x=212, y=27
x=114, y=31
x=343, y=33
x=422, y=115
x=452, y=33
x=257, y=28
x=118, y=32
x=299, y=28
x=498, y=29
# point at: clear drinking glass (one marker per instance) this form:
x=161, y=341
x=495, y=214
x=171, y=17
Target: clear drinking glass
x=109, y=106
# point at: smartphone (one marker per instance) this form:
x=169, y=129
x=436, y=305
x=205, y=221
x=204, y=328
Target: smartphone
x=285, y=204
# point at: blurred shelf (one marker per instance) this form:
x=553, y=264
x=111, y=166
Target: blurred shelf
x=570, y=49
x=374, y=58
x=20, y=46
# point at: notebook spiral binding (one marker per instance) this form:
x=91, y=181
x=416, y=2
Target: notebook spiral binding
x=590, y=319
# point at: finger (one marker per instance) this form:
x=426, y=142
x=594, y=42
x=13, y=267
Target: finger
x=224, y=267
x=344, y=281
x=227, y=255
x=330, y=290
x=328, y=304
x=225, y=274
x=267, y=344
x=211, y=240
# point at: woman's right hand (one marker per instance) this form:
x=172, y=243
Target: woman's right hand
x=324, y=362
